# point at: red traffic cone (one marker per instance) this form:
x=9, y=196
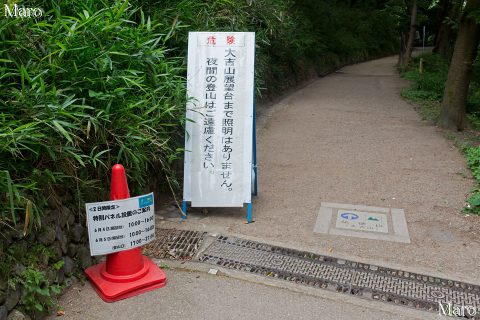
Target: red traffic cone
x=126, y=273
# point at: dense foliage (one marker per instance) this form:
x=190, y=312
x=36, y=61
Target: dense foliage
x=428, y=85
x=80, y=93
x=92, y=83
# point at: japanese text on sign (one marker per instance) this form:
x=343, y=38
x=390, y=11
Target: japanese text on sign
x=218, y=144
x=120, y=224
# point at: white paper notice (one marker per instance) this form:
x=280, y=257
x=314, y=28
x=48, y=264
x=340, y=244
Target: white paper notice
x=218, y=157
x=120, y=224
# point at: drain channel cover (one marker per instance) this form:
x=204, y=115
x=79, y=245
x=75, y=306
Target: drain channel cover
x=174, y=244
x=344, y=276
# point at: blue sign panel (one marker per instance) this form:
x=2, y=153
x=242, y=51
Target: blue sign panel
x=349, y=216
x=145, y=201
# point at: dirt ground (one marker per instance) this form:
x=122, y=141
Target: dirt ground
x=350, y=138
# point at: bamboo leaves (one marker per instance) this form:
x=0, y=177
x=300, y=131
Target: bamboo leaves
x=83, y=91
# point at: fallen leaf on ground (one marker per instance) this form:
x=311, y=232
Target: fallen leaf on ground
x=60, y=313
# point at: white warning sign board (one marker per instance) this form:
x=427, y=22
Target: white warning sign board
x=120, y=224
x=218, y=139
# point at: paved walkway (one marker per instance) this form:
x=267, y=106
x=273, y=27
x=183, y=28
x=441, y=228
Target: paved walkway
x=345, y=138
x=197, y=296
x=350, y=138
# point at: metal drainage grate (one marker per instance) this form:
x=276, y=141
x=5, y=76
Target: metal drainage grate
x=174, y=244
x=368, y=281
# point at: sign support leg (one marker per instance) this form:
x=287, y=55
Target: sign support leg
x=254, y=157
x=184, y=209
x=254, y=144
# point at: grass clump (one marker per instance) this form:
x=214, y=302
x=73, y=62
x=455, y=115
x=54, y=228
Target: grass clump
x=25, y=267
x=427, y=86
x=38, y=293
x=473, y=161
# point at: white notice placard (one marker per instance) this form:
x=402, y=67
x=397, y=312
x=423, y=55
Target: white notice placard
x=120, y=224
x=218, y=142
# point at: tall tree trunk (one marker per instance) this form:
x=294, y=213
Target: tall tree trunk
x=401, y=53
x=445, y=37
x=444, y=44
x=411, y=34
x=453, y=108
x=443, y=8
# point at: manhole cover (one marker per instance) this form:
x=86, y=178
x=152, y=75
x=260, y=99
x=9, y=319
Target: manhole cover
x=349, y=277
x=174, y=244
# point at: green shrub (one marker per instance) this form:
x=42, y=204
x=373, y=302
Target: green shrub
x=37, y=293
x=473, y=161
x=473, y=202
x=80, y=93
x=473, y=100
x=431, y=82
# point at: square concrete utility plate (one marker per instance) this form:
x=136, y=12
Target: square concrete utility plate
x=361, y=221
